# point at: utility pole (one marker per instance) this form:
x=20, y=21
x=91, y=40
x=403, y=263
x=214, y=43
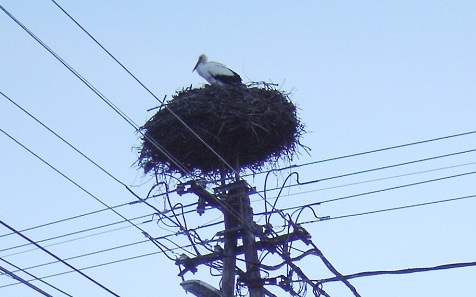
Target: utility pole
x=242, y=236
x=253, y=277
x=234, y=201
x=238, y=217
x=231, y=217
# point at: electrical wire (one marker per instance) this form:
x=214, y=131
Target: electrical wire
x=156, y=243
x=83, y=230
x=16, y=277
x=114, y=248
x=69, y=144
x=34, y=277
x=82, y=188
x=100, y=264
x=71, y=180
x=58, y=258
x=147, y=89
x=78, y=232
x=96, y=91
x=382, y=190
x=390, y=209
x=332, y=269
x=373, y=151
x=299, y=183
x=64, y=220
x=361, y=182
x=62, y=139
x=60, y=242
x=401, y=271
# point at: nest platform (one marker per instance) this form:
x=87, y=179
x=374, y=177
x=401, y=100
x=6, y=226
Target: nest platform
x=247, y=126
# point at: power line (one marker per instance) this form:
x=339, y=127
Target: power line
x=111, y=262
x=62, y=242
x=69, y=179
x=299, y=183
x=332, y=269
x=123, y=246
x=83, y=230
x=65, y=219
x=89, y=193
x=96, y=91
x=16, y=277
x=84, y=215
x=74, y=148
x=147, y=89
x=390, y=209
x=400, y=271
x=362, y=182
x=88, y=254
x=58, y=258
x=377, y=150
x=156, y=243
x=382, y=190
x=96, y=266
x=34, y=277
x=62, y=139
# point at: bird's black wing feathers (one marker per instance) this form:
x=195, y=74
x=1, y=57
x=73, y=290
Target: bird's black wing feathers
x=229, y=80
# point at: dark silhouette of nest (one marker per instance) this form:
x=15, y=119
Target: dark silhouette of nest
x=245, y=125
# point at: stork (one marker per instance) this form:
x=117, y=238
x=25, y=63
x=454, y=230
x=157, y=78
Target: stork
x=216, y=73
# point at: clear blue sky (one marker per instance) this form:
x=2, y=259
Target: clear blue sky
x=365, y=76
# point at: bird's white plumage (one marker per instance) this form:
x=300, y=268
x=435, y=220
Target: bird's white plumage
x=216, y=73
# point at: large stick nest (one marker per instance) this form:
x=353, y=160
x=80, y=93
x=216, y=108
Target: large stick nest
x=245, y=125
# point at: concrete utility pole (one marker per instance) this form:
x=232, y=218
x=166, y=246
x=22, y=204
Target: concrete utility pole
x=238, y=216
x=231, y=218
x=234, y=201
x=253, y=277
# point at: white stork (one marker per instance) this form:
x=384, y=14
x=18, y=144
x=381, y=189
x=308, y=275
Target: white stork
x=216, y=73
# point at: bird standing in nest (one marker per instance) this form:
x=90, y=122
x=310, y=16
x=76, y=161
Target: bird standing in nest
x=216, y=73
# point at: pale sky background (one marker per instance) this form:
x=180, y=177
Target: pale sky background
x=365, y=74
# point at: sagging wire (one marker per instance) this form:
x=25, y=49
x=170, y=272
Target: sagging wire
x=273, y=206
x=301, y=210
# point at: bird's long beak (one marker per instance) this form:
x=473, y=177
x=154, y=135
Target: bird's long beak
x=196, y=65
